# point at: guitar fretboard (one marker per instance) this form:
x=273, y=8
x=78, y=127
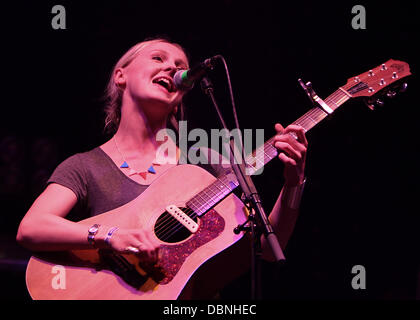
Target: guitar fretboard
x=265, y=153
x=212, y=195
x=224, y=185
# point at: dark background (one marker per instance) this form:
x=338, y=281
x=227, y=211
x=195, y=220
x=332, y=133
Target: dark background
x=359, y=206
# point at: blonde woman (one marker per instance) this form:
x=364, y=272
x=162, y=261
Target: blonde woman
x=142, y=100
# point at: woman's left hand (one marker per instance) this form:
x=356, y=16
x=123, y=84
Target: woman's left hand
x=292, y=152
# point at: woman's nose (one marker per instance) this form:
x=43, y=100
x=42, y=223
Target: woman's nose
x=170, y=69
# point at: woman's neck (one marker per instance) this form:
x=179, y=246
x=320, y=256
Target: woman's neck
x=137, y=131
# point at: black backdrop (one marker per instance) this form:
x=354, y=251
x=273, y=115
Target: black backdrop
x=359, y=206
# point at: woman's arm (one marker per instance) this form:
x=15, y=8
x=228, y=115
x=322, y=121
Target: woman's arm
x=45, y=228
x=285, y=212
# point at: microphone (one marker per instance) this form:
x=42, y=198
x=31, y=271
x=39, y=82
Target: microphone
x=184, y=79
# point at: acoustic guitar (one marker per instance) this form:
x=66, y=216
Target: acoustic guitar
x=192, y=218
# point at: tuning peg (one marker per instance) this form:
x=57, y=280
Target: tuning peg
x=370, y=104
x=379, y=102
x=403, y=87
x=391, y=94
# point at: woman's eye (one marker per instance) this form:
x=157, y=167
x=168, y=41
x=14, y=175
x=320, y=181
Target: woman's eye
x=158, y=58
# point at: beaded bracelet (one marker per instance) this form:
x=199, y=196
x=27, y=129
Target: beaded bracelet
x=109, y=235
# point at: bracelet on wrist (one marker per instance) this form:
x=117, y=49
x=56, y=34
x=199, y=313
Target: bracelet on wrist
x=109, y=235
x=93, y=230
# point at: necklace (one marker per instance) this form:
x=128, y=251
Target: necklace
x=132, y=171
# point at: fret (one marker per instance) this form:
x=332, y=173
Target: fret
x=208, y=199
x=191, y=204
x=196, y=207
x=202, y=202
x=316, y=114
x=270, y=150
x=337, y=98
x=310, y=118
x=333, y=102
x=210, y=189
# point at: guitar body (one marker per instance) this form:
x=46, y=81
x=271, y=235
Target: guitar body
x=85, y=275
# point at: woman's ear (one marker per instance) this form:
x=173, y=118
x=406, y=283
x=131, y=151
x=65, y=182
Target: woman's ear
x=119, y=77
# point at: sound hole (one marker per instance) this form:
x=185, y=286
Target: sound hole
x=168, y=229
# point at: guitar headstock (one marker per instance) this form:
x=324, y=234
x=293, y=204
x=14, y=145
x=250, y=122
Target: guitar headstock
x=385, y=79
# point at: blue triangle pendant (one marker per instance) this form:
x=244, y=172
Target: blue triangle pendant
x=124, y=165
x=151, y=169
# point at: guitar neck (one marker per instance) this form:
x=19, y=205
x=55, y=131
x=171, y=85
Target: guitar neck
x=222, y=187
x=265, y=153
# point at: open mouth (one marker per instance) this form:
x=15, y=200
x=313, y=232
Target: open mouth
x=165, y=82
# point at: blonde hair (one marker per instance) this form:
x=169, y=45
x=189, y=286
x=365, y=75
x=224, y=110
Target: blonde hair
x=113, y=93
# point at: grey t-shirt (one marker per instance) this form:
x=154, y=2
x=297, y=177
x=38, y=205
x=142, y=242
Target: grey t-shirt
x=100, y=186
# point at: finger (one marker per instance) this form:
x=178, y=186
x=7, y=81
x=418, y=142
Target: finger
x=155, y=245
x=141, y=240
x=289, y=150
x=141, y=250
x=287, y=160
x=147, y=246
x=299, y=131
x=302, y=137
x=291, y=138
x=150, y=247
x=293, y=148
x=279, y=128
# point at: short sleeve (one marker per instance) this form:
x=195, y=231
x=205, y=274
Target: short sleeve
x=71, y=174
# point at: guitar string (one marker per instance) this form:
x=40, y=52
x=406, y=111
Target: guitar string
x=168, y=222
x=178, y=225
x=162, y=229
x=200, y=204
x=307, y=121
x=224, y=190
x=268, y=149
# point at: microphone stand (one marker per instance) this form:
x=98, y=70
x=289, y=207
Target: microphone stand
x=257, y=219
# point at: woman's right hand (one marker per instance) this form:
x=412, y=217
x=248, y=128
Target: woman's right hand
x=137, y=241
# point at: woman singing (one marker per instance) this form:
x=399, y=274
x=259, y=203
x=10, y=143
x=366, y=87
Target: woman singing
x=142, y=100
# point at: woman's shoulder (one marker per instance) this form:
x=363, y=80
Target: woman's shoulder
x=80, y=158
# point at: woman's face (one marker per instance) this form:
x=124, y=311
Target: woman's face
x=148, y=78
